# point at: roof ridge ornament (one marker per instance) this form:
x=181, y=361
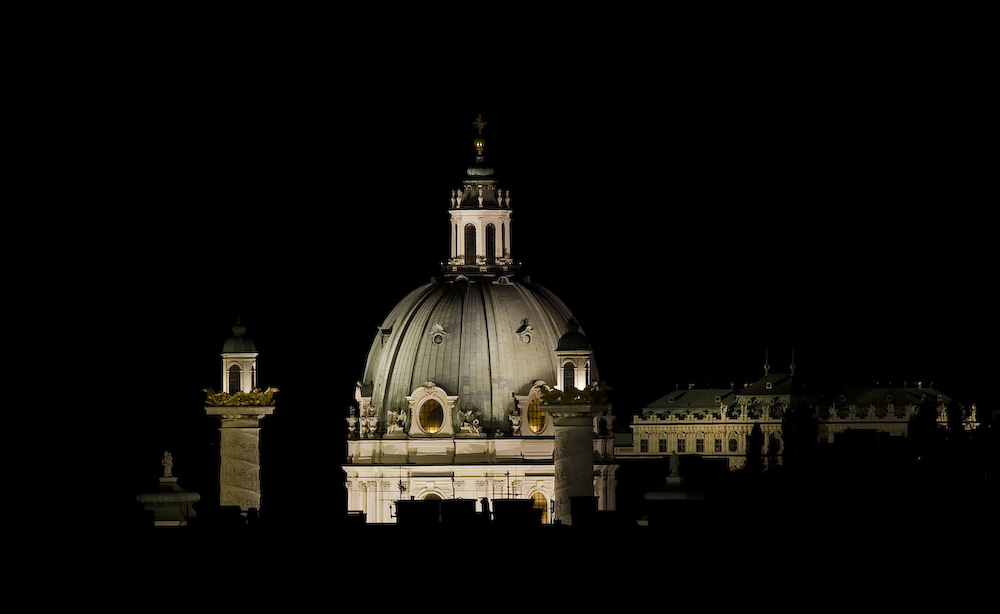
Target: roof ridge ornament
x=479, y=142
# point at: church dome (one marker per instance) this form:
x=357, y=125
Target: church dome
x=477, y=339
x=239, y=342
x=480, y=334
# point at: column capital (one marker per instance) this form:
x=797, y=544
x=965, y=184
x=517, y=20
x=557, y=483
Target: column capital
x=573, y=414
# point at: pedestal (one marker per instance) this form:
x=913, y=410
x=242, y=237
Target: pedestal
x=239, y=454
x=573, y=454
x=171, y=505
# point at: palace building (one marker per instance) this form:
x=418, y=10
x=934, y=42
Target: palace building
x=452, y=400
x=716, y=423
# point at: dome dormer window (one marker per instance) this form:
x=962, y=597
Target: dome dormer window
x=432, y=410
x=536, y=417
x=431, y=416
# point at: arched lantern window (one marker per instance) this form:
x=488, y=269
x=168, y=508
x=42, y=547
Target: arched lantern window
x=569, y=375
x=234, y=379
x=470, y=244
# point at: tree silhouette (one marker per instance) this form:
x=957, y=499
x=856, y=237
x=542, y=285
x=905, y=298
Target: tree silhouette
x=923, y=435
x=772, y=451
x=755, y=450
x=800, y=433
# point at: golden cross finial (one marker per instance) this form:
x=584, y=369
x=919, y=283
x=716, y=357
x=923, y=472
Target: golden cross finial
x=479, y=123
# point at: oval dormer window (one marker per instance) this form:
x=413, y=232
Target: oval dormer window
x=536, y=417
x=431, y=416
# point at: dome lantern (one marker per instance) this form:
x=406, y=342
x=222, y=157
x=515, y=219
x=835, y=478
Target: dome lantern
x=239, y=362
x=480, y=229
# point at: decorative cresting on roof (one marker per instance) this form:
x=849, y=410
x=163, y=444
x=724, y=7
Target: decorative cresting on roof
x=254, y=398
x=595, y=394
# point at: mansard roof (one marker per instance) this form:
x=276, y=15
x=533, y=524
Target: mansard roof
x=882, y=396
x=692, y=400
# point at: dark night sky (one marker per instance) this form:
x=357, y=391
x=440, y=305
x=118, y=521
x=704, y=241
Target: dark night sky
x=691, y=219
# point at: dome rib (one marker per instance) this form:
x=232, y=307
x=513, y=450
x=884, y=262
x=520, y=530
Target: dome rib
x=399, y=319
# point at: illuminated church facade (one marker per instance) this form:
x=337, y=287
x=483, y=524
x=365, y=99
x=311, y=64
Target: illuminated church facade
x=452, y=400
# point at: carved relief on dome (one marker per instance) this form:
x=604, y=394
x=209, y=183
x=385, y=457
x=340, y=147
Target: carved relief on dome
x=438, y=334
x=525, y=331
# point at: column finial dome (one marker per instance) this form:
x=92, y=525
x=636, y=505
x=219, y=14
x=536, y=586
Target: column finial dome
x=239, y=342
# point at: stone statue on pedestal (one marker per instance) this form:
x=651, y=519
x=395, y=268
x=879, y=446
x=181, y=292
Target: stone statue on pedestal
x=515, y=422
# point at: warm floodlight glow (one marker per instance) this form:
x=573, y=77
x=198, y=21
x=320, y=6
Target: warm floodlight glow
x=431, y=416
x=536, y=417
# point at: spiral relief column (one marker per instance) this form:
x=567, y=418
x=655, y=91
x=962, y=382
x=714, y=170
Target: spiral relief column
x=240, y=407
x=573, y=454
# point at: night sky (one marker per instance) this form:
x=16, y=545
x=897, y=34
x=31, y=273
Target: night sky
x=691, y=221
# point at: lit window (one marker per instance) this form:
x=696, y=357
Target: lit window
x=536, y=417
x=431, y=416
x=538, y=503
